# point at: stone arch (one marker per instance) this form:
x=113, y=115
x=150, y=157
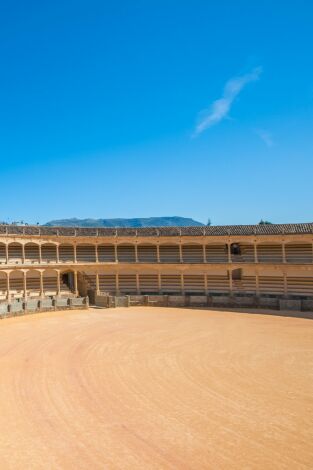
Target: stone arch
x=33, y=283
x=15, y=253
x=31, y=252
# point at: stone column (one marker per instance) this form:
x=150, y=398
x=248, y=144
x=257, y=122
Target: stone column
x=257, y=285
x=180, y=253
x=117, y=287
x=40, y=255
x=205, y=284
x=57, y=249
x=284, y=252
x=97, y=284
x=137, y=284
x=75, y=253
x=115, y=253
x=41, y=284
x=159, y=283
x=285, y=284
x=230, y=281
x=229, y=252
x=204, y=253
x=136, y=253
x=58, y=283
x=255, y=252
x=96, y=252
x=23, y=253
x=8, y=285
x=75, y=284
x=158, y=253
x=24, y=285
x=7, y=253
x=182, y=285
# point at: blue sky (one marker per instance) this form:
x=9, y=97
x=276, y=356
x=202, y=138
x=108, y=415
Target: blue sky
x=149, y=108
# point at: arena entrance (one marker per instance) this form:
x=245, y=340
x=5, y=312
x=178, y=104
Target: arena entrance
x=67, y=279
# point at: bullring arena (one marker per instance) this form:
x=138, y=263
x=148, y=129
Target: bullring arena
x=210, y=368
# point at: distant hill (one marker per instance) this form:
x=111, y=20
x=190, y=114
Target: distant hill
x=143, y=222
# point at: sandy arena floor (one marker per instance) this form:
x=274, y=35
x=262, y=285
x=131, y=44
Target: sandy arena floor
x=148, y=388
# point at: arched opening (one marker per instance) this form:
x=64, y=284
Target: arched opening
x=50, y=282
x=33, y=283
x=3, y=255
x=3, y=285
x=169, y=254
x=48, y=253
x=16, y=284
x=15, y=253
x=66, y=253
x=86, y=253
x=67, y=282
x=31, y=253
x=147, y=253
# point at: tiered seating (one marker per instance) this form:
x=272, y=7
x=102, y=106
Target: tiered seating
x=50, y=283
x=270, y=253
x=16, y=284
x=171, y=283
x=48, y=253
x=106, y=253
x=33, y=283
x=246, y=254
x=192, y=253
x=218, y=283
x=216, y=253
x=298, y=253
x=126, y=253
x=66, y=253
x=148, y=283
x=127, y=283
x=271, y=284
x=86, y=253
x=245, y=284
x=3, y=257
x=300, y=285
x=147, y=254
x=107, y=283
x=15, y=253
x=31, y=253
x=194, y=284
x=169, y=254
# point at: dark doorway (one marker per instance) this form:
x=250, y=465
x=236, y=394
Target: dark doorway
x=68, y=280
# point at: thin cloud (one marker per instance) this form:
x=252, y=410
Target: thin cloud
x=266, y=137
x=221, y=107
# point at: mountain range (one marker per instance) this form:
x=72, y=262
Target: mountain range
x=138, y=222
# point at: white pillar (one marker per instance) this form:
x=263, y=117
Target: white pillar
x=75, y=253
x=284, y=252
x=57, y=249
x=204, y=253
x=230, y=281
x=8, y=286
x=115, y=253
x=23, y=253
x=97, y=283
x=229, y=252
x=41, y=284
x=58, y=283
x=180, y=253
x=158, y=253
x=7, y=253
x=96, y=252
x=255, y=253
x=24, y=285
x=136, y=253
x=40, y=256
x=75, y=283
x=137, y=284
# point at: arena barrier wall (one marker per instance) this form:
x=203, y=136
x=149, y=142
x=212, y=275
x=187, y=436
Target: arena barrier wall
x=10, y=309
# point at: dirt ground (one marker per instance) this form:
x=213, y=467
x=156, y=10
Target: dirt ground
x=148, y=388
